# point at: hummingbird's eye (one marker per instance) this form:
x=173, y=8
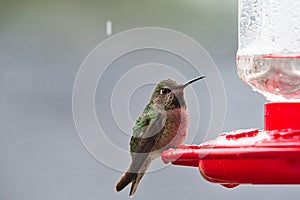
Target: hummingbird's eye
x=165, y=90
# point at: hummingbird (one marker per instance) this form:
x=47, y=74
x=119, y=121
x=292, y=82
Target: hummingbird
x=162, y=125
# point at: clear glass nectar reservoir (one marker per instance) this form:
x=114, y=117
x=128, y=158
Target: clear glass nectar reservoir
x=268, y=58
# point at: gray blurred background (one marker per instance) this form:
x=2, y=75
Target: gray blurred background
x=43, y=43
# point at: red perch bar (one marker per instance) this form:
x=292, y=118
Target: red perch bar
x=270, y=156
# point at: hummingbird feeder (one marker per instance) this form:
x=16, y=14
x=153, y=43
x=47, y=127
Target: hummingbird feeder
x=268, y=59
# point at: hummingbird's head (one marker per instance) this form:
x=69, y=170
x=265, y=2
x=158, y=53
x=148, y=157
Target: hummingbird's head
x=169, y=94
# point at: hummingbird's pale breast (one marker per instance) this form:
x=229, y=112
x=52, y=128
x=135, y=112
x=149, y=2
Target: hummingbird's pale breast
x=174, y=130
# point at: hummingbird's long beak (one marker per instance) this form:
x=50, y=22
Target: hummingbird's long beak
x=189, y=82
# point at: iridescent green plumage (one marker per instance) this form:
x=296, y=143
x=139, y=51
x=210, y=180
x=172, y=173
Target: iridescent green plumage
x=146, y=119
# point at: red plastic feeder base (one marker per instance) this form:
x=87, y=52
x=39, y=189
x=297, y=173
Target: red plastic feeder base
x=270, y=156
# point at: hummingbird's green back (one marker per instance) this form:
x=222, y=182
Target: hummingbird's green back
x=148, y=116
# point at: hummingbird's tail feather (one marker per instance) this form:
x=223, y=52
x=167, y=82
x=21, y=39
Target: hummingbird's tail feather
x=135, y=183
x=133, y=177
x=136, y=180
x=125, y=180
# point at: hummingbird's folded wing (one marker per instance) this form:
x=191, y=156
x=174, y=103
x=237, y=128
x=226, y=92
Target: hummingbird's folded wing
x=144, y=144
